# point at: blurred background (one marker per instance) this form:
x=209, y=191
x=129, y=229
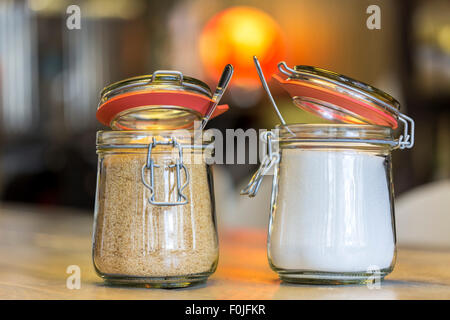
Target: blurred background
x=51, y=77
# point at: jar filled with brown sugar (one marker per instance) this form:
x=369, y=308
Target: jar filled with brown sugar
x=154, y=216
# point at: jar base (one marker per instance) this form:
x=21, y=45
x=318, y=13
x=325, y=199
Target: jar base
x=157, y=282
x=334, y=278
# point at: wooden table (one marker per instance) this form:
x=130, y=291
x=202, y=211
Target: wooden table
x=37, y=246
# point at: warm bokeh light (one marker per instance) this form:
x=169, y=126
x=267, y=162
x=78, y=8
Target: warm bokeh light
x=234, y=36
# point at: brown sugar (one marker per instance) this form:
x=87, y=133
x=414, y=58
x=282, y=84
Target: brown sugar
x=134, y=238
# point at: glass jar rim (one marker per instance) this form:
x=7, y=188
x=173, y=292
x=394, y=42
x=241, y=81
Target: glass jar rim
x=141, y=139
x=336, y=132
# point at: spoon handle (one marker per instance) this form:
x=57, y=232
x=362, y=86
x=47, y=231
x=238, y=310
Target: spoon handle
x=220, y=90
x=266, y=88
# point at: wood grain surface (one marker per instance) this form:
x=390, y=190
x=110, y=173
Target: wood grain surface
x=37, y=246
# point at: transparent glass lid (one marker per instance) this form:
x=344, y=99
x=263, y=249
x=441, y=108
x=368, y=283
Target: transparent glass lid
x=163, y=100
x=155, y=118
x=337, y=97
x=159, y=80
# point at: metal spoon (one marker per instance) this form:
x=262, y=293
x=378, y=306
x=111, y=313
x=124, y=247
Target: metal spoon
x=266, y=87
x=220, y=90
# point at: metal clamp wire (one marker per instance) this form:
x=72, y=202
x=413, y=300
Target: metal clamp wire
x=150, y=165
x=270, y=159
x=167, y=72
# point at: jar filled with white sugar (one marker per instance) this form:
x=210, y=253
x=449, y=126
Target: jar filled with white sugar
x=332, y=211
x=154, y=216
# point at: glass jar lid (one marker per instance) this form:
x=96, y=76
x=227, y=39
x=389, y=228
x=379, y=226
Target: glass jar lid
x=337, y=97
x=165, y=100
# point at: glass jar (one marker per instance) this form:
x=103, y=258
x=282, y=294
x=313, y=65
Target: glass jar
x=332, y=213
x=332, y=205
x=154, y=216
x=154, y=219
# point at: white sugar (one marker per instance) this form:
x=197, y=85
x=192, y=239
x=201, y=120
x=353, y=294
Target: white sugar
x=333, y=212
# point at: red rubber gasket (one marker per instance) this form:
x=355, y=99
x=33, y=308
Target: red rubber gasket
x=127, y=101
x=373, y=114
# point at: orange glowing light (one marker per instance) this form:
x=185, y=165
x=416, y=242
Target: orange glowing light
x=234, y=36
